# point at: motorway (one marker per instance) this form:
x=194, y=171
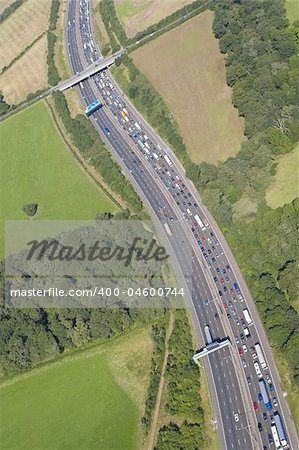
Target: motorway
x=211, y=296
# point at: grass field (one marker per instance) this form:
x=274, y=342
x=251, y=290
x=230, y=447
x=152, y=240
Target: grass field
x=292, y=8
x=22, y=28
x=285, y=187
x=137, y=15
x=190, y=76
x=27, y=74
x=77, y=402
x=4, y=4
x=38, y=168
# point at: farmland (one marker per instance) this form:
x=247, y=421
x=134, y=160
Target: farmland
x=84, y=401
x=284, y=188
x=190, y=76
x=28, y=74
x=137, y=15
x=292, y=10
x=22, y=28
x=38, y=168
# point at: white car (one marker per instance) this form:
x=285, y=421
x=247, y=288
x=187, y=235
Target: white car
x=245, y=348
x=236, y=416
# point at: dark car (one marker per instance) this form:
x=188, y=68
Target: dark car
x=265, y=416
x=270, y=438
x=259, y=425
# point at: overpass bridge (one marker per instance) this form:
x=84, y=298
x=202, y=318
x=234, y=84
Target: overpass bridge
x=94, y=68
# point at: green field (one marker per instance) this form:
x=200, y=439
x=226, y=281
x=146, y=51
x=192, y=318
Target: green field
x=38, y=168
x=292, y=8
x=285, y=187
x=85, y=401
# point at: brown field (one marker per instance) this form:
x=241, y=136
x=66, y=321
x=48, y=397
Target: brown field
x=74, y=103
x=99, y=27
x=137, y=15
x=4, y=4
x=185, y=66
x=22, y=28
x=27, y=74
x=61, y=58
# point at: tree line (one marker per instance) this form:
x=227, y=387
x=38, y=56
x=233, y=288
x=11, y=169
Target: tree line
x=182, y=392
x=10, y=9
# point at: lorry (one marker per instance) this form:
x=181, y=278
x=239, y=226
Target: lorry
x=199, y=221
x=275, y=436
x=265, y=395
x=247, y=316
x=280, y=429
x=137, y=126
x=167, y=159
x=208, y=334
x=260, y=356
x=168, y=231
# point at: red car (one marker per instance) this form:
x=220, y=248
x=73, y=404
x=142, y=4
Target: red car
x=195, y=224
x=225, y=306
x=240, y=351
x=255, y=406
x=231, y=291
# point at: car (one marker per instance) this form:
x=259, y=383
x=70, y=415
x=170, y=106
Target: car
x=260, y=427
x=225, y=288
x=223, y=271
x=107, y=131
x=242, y=337
x=249, y=381
x=216, y=316
x=227, y=279
x=237, y=339
x=222, y=280
x=213, y=259
x=260, y=397
x=231, y=291
x=215, y=279
x=217, y=269
x=229, y=302
x=228, y=315
x=207, y=302
x=224, y=305
x=245, y=348
x=228, y=268
x=271, y=387
x=255, y=406
x=233, y=311
x=275, y=402
x=270, y=439
x=265, y=417
x=236, y=416
x=220, y=293
x=268, y=378
x=244, y=363
x=240, y=351
x=265, y=447
x=243, y=322
x=237, y=321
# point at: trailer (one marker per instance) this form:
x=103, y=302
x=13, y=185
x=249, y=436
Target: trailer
x=140, y=143
x=208, y=334
x=260, y=356
x=247, y=316
x=199, y=221
x=265, y=395
x=280, y=429
x=167, y=159
x=275, y=436
x=168, y=231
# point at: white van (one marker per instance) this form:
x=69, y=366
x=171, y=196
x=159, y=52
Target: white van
x=258, y=370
